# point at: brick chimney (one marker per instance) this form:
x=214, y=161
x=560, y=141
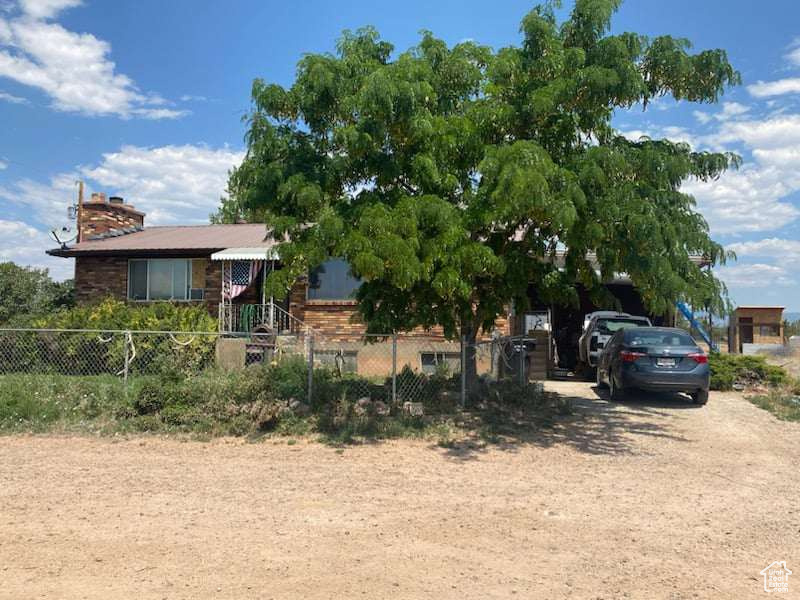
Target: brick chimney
x=99, y=218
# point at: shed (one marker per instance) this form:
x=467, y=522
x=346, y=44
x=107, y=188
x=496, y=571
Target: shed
x=753, y=327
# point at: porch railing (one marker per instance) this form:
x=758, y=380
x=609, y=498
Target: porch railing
x=244, y=318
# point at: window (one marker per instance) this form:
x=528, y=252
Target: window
x=609, y=326
x=344, y=361
x=660, y=338
x=332, y=281
x=440, y=361
x=769, y=330
x=162, y=279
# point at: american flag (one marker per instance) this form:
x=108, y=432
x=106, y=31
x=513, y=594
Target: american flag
x=238, y=277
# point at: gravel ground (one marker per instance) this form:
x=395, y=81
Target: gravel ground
x=650, y=499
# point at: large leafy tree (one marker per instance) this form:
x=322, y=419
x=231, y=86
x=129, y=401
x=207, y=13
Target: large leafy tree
x=26, y=292
x=450, y=177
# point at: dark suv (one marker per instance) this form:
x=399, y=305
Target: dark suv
x=660, y=359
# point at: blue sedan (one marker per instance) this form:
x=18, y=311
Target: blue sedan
x=657, y=359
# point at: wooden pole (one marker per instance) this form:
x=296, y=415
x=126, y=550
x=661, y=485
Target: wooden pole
x=79, y=217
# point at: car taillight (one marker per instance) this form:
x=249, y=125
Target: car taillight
x=699, y=358
x=628, y=356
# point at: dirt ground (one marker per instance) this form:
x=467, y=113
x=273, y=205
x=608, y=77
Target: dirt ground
x=650, y=499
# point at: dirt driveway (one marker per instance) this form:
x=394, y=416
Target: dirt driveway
x=653, y=499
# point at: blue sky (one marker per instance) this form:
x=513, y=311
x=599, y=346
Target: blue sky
x=144, y=99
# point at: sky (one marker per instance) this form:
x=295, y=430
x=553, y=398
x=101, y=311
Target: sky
x=145, y=100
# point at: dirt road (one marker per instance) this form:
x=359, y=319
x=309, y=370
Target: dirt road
x=653, y=499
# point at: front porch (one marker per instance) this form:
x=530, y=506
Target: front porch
x=244, y=304
x=269, y=317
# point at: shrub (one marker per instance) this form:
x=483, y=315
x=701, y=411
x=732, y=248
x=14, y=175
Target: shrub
x=728, y=370
x=90, y=353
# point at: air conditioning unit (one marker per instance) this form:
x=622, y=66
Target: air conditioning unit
x=196, y=294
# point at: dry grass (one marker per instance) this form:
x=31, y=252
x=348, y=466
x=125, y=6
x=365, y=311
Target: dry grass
x=651, y=498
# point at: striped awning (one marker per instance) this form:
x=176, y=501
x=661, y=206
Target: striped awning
x=261, y=253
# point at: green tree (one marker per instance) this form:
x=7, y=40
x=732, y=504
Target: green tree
x=27, y=292
x=449, y=177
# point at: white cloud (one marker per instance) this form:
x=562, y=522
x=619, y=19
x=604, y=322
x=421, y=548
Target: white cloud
x=793, y=56
x=74, y=69
x=46, y=9
x=755, y=197
x=25, y=245
x=730, y=110
x=747, y=200
x=754, y=275
x=6, y=97
x=785, y=251
x=702, y=117
x=765, y=89
x=45, y=202
x=171, y=184
x=3, y=165
x=778, y=131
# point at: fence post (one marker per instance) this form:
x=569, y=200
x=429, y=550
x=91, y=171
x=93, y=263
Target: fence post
x=522, y=353
x=127, y=339
x=463, y=371
x=310, y=367
x=394, y=368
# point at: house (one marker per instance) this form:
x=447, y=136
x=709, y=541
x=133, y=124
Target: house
x=222, y=267
x=752, y=328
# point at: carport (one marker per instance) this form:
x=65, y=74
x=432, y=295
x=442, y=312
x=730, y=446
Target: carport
x=562, y=325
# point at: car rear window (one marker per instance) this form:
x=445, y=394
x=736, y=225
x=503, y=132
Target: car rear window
x=612, y=325
x=660, y=338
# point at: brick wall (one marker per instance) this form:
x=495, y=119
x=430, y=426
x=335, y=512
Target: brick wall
x=97, y=278
x=99, y=217
x=338, y=320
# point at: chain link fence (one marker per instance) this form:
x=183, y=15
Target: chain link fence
x=390, y=368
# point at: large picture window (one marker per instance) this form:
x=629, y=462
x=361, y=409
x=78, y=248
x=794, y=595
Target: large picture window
x=332, y=281
x=162, y=279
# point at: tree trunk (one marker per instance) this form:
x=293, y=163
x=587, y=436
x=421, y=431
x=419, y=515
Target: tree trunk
x=470, y=336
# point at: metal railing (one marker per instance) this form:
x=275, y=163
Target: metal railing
x=245, y=318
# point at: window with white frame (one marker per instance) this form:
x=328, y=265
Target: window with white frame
x=161, y=279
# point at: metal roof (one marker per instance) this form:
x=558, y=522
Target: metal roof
x=183, y=239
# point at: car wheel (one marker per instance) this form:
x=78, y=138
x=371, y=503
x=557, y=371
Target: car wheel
x=615, y=392
x=600, y=383
x=700, y=397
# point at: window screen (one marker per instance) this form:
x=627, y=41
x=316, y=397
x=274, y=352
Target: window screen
x=332, y=281
x=345, y=361
x=160, y=285
x=159, y=279
x=137, y=280
x=440, y=361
